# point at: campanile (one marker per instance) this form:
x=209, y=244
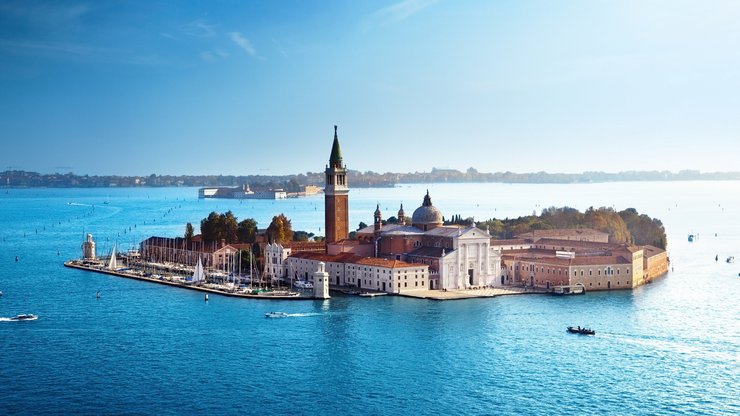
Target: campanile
x=336, y=200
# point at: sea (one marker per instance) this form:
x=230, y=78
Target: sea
x=668, y=348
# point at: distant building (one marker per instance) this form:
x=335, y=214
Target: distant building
x=243, y=192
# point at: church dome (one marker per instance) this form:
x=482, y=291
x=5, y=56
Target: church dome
x=426, y=214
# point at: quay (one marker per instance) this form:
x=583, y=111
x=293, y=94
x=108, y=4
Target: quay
x=484, y=292
x=130, y=274
x=438, y=295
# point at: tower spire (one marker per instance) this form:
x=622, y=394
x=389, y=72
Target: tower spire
x=335, y=160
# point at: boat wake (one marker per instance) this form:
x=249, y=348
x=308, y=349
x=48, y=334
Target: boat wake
x=297, y=315
x=290, y=315
x=16, y=319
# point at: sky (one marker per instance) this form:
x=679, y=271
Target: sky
x=255, y=87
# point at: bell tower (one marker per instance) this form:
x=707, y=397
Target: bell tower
x=336, y=199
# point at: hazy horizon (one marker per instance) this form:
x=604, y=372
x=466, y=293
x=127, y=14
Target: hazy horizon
x=255, y=88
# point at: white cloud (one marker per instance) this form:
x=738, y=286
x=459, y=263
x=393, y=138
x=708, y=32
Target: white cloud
x=243, y=43
x=401, y=10
x=200, y=28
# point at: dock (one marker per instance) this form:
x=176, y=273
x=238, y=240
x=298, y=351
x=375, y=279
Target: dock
x=129, y=274
x=486, y=292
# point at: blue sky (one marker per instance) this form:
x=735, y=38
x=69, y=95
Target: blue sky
x=242, y=87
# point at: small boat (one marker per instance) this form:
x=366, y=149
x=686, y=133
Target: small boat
x=303, y=285
x=276, y=315
x=568, y=290
x=206, y=297
x=24, y=317
x=731, y=259
x=581, y=331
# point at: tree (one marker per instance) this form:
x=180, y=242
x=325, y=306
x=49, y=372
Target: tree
x=280, y=230
x=302, y=236
x=215, y=227
x=247, y=231
x=361, y=226
x=245, y=260
x=188, y=232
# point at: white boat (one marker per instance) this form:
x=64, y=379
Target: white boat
x=300, y=284
x=276, y=315
x=569, y=290
x=198, y=275
x=24, y=317
x=113, y=263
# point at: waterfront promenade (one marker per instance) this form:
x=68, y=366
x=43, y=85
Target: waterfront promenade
x=485, y=292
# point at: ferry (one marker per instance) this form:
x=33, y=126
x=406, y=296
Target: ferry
x=581, y=331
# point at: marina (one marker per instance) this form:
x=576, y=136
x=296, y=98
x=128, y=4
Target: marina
x=213, y=288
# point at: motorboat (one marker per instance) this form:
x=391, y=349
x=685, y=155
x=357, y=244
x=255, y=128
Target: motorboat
x=581, y=331
x=24, y=317
x=568, y=290
x=276, y=315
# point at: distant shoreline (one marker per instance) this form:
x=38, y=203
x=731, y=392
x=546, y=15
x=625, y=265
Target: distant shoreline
x=15, y=179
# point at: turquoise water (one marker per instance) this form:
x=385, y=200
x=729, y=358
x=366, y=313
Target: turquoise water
x=672, y=347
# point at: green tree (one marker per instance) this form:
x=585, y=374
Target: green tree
x=188, y=232
x=247, y=231
x=215, y=227
x=280, y=230
x=302, y=236
x=245, y=261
